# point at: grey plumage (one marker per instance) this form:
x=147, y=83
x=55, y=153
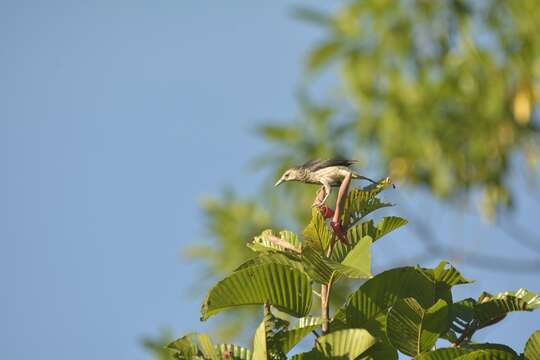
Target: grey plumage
x=327, y=173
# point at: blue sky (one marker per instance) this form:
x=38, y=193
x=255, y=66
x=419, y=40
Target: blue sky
x=116, y=118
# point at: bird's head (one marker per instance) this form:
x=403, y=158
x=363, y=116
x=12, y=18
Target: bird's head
x=290, y=175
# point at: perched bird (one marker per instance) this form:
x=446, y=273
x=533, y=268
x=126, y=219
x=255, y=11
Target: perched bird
x=327, y=173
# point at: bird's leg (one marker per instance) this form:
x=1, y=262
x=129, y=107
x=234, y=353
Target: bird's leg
x=335, y=223
x=318, y=198
x=323, y=193
x=326, y=212
x=327, y=190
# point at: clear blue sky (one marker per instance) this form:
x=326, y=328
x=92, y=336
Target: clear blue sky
x=116, y=117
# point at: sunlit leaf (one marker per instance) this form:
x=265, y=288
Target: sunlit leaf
x=287, y=241
x=532, y=347
x=317, y=234
x=279, y=285
x=341, y=344
x=503, y=303
x=413, y=329
x=378, y=294
x=361, y=202
x=284, y=341
x=357, y=233
x=323, y=269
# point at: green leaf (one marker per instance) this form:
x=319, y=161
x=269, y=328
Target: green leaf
x=376, y=295
x=323, y=270
x=281, y=286
x=448, y=275
x=317, y=234
x=361, y=202
x=269, y=257
x=193, y=345
x=503, y=303
x=358, y=232
x=445, y=276
x=186, y=346
x=233, y=352
x=342, y=344
x=531, y=299
x=490, y=354
x=467, y=354
x=345, y=344
x=323, y=54
x=318, y=268
x=443, y=354
x=490, y=346
x=413, y=329
x=287, y=241
x=260, y=351
x=532, y=348
x=284, y=341
x=380, y=351
x=359, y=259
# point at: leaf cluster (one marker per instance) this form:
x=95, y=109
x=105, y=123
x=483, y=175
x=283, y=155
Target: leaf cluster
x=406, y=309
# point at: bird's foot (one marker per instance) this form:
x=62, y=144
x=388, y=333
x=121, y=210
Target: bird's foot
x=338, y=230
x=326, y=212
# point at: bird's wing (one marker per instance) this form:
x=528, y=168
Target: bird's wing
x=315, y=165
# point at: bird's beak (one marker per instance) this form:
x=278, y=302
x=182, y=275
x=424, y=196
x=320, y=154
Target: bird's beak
x=278, y=182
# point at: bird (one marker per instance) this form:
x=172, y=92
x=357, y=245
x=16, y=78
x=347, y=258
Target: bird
x=328, y=173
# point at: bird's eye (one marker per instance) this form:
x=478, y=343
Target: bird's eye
x=286, y=176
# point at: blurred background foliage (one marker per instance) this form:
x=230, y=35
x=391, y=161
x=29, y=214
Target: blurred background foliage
x=440, y=95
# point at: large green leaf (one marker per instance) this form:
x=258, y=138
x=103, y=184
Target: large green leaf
x=532, y=348
x=284, y=341
x=357, y=234
x=323, y=270
x=343, y=344
x=380, y=351
x=317, y=234
x=282, y=286
x=361, y=202
x=413, y=329
x=443, y=354
x=287, y=241
x=359, y=259
x=376, y=295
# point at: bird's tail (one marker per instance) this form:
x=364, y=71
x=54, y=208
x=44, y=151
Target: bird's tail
x=358, y=176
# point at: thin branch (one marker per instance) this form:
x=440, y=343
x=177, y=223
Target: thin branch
x=467, y=333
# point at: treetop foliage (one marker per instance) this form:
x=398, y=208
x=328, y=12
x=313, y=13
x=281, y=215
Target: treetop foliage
x=405, y=309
